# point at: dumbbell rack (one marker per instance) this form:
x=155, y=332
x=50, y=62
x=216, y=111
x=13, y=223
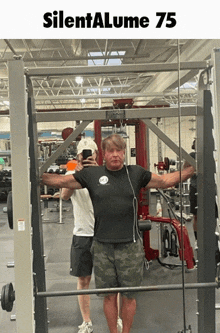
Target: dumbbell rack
x=5, y=183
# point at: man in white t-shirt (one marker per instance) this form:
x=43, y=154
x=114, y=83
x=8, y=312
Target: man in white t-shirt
x=81, y=259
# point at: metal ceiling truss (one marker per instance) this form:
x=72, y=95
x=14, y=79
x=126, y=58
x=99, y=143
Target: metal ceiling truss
x=150, y=54
x=109, y=82
x=111, y=70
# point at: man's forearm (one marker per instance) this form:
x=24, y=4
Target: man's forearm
x=66, y=193
x=172, y=179
x=187, y=172
x=60, y=181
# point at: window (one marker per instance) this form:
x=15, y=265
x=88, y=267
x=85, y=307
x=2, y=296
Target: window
x=113, y=61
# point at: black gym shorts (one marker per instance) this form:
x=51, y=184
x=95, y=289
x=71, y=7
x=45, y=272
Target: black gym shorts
x=80, y=256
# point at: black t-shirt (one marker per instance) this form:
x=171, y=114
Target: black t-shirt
x=113, y=199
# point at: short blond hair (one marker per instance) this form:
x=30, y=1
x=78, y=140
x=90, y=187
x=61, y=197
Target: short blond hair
x=114, y=139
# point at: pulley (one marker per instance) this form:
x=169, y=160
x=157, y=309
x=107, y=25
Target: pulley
x=66, y=132
x=144, y=225
x=7, y=297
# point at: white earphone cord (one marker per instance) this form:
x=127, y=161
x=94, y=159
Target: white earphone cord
x=134, y=202
x=135, y=224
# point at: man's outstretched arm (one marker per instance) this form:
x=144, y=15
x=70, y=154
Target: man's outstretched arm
x=170, y=179
x=60, y=181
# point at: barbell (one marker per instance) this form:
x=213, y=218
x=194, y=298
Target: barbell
x=8, y=293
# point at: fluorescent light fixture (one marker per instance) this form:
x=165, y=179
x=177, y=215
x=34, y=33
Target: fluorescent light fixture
x=79, y=79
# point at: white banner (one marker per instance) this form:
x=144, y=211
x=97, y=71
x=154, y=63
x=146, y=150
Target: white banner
x=109, y=19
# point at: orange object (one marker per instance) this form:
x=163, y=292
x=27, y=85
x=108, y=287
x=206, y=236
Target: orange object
x=71, y=165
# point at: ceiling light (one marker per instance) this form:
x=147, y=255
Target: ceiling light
x=79, y=79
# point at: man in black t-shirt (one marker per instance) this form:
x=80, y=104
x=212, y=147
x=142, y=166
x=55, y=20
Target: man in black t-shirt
x=117, y=248
x=112, y=194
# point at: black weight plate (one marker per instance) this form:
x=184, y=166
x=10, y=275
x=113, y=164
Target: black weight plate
x=9, y=297
x=10, y=210
x=3, y=298
x=166, y=163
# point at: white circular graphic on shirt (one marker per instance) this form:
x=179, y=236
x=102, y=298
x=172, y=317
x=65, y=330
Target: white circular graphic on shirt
x=103, y=180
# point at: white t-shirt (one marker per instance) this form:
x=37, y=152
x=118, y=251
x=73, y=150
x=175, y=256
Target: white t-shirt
x=83, y=212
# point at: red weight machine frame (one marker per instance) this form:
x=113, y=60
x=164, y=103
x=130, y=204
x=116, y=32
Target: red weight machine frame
x=143, y=204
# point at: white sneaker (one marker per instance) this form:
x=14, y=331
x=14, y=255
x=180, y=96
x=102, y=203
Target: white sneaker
x=196, y=246
x=86, y=327
x=119, y=325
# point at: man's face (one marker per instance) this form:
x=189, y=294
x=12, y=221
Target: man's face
x=114, y=157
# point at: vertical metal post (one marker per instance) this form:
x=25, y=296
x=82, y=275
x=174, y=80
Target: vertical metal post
x=21, y=198
x=37, y=238
x=206, y=213
x=98, y=139
x=216, y=118
x=141, y=142
x=60, y=209
x=142, y=158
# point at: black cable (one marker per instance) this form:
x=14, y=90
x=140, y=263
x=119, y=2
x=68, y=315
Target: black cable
x=170, y=266
x=180, y=171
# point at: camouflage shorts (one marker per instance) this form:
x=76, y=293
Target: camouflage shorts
x=118, y=265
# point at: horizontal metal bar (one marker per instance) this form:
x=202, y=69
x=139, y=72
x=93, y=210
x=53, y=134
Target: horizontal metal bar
x=134, y=113
x=163, y=112
x=5, y=153
x=101, y=96
x=127, y=289
x=122, y=69
x=77, y=58
x=88, y=96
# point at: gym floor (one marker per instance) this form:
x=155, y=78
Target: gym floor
x=157, y=312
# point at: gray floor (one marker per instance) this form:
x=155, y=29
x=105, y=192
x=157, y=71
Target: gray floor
x=157, y=312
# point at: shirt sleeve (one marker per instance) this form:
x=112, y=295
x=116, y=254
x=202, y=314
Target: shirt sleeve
x=146, y=177
x=70, y=172
x=143, y=176
x=81, y=178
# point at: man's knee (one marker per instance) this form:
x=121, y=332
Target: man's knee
x=110, y=298
x=83, y=281
x=129, y=303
